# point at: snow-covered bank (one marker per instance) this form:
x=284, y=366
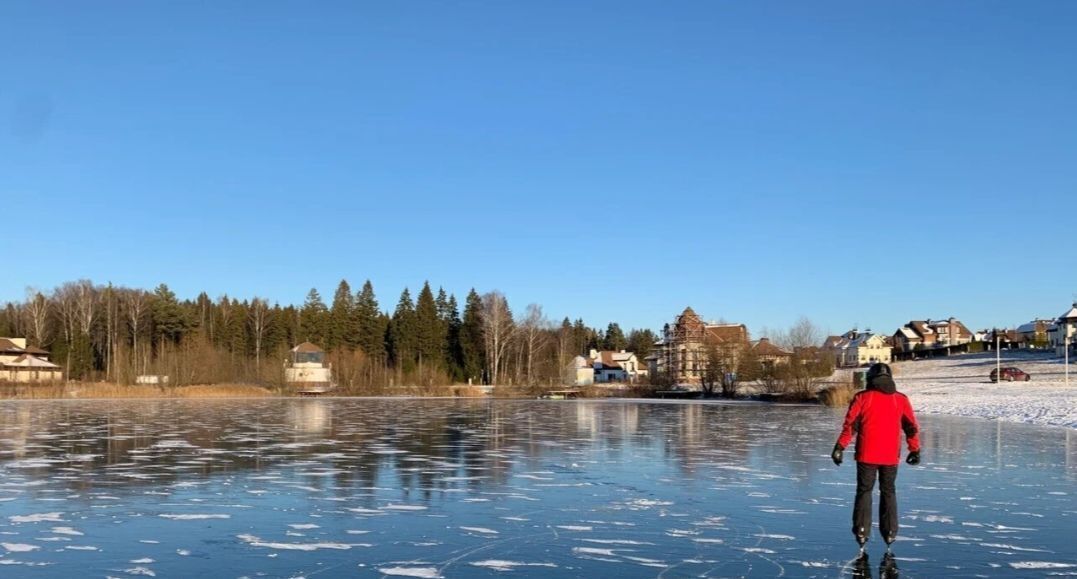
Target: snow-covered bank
x=960, y=386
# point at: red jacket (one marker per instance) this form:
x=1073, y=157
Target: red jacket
x=878, y=416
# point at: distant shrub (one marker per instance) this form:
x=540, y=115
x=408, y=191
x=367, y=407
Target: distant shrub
x=468, y=392
x=838, y=395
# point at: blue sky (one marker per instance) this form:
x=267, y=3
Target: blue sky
x=858, y=164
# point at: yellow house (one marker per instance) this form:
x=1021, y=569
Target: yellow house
x=25, y=364
x=865, y=349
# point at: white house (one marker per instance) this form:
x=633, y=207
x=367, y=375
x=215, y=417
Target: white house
x=866, y=349
x=1064, y=332
x=855, y=348
x=307, y=370
x=580, y=372
x=604, y=367
x=22, y=363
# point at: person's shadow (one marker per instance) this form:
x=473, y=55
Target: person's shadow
x=888, y=568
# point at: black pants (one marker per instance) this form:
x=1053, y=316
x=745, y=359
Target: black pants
x=888, y=514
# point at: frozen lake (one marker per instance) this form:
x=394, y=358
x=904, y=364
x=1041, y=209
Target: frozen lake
x=475, y=488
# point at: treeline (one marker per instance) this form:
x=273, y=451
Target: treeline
x=103, y=332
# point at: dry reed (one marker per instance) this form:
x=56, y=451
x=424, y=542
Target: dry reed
x=87, y=390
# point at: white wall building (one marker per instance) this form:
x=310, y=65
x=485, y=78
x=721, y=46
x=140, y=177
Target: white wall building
x=25, y=364
x=307, y=370
x=1064, y=332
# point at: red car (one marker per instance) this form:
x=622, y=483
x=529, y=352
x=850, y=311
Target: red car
x=1011, y=374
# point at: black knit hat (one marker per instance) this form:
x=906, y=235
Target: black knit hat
x=879, y=369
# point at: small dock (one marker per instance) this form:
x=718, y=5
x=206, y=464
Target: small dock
x=561, y=395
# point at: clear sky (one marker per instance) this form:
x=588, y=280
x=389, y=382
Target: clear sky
x=858, y=163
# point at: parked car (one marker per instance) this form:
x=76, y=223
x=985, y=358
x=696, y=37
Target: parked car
x=1011, y=374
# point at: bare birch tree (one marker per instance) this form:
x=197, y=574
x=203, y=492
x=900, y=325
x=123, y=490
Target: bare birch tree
x=498, y=329
x=136, y=306
x=804, y=333
x=86, y=301
x=259, y=314
x=36, y=312
x=534, y=334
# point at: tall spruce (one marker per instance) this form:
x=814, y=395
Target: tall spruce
x=453, y=323
x=313, y=319
x=368, y=323
x=342, y=331
x=402, y=333
x=169, y=323
x=472, y=342
x=641, y=342
x=615, y=338
x=581, y=335
x=429, y=330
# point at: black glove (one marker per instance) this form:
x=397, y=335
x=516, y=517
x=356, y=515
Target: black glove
x=837, y=453
x=913, y=458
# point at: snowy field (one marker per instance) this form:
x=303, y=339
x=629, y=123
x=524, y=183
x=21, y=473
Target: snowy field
x=486, y=488
x=960, y=386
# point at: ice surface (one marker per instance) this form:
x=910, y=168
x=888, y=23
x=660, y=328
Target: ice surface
x=477, y=488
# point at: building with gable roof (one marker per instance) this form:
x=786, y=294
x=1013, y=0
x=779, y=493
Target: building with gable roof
x=768, y=354
x=929, y=334
x=681, y=353
x=605, y=367
x=1064, y=333
x=855, y=348
x=307, y=371
x=22, y=363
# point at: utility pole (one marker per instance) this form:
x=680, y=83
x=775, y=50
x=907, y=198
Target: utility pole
x=998, y=357
x=1066, y=350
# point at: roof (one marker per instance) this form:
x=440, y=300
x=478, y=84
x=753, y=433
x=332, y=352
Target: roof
x=611, y=359
x=908, y=333
x=307, y=347
x=765, y=348
x=832, y=341
x=7, y=346
x=580, y=362
x=921, y=327
x=28, y=361
x=1070, y=316
x=733, y=333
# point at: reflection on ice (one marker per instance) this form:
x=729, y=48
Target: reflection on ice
x=466, y=488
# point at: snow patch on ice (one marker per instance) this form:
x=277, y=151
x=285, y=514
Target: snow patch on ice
x=421, y=572
x=37, y=518
x=19, y=547
x=1040, y=565
x=480, y=530
x=500, y=565
x=194, y=517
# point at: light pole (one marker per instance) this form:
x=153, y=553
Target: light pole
x=998, y=357
x=1066, y=351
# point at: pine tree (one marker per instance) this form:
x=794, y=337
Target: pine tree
x=581, y=335
x=313, y=319
x=237, y=328
x=453, y=354
x=429, y=329
x=472, y=342
x=641, y=342
x=167, y=315
x=615, y=338
x=342, y=331
x=402, y=333
x=368, y=323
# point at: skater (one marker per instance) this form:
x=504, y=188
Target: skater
x=877, y=416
